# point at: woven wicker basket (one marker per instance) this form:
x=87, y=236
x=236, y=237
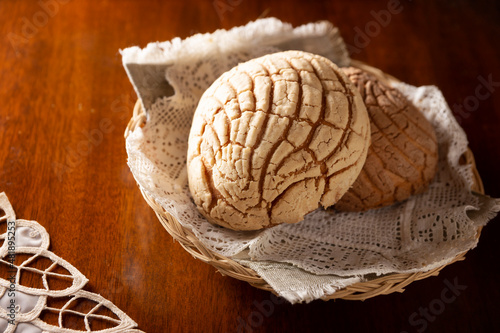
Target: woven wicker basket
x=383, y=285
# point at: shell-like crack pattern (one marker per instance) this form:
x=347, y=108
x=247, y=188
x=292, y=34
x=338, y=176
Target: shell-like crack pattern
x=402, y=159
x=273, y=139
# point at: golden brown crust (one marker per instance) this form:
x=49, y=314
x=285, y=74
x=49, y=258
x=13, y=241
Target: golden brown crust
x=274, y=138
x=403, y=155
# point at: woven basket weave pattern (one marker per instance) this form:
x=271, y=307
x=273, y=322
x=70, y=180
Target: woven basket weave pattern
x=359, y=291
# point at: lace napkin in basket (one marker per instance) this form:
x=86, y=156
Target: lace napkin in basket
x=327, y=250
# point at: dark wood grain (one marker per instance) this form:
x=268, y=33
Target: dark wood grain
x=66, y=101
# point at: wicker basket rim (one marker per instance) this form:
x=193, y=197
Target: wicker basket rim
x=383, y=285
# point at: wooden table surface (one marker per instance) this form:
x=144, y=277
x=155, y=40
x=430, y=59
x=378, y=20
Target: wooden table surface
x=62, y=81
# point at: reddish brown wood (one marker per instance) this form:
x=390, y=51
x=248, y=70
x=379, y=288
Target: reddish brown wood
x=66, y=101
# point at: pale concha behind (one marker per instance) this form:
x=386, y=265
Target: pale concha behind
x=403, y=155
x=275, y=138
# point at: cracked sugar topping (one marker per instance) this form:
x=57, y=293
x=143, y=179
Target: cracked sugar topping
x=273, y=139
x=403, y=155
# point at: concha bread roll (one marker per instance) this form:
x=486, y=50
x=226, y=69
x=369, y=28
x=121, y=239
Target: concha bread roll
x=274, y=138
x=403, y=155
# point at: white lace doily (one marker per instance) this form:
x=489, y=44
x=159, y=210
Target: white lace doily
x=331, y=249
x=24, y=249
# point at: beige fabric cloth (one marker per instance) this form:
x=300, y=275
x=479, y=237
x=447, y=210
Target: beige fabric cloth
x=327, y=250
x=21, y=306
